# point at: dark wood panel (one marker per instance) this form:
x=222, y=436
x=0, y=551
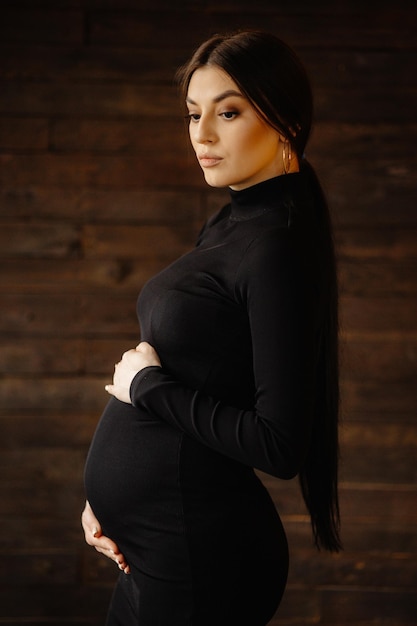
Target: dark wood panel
x=94, y=205
x=53, y=240
x=48, y=428
x=390, y=314
x=353, y=569
x=400, y=607
x=23, y=134
x=99, y=170
x=103, y=62
x=299, y=29
x=44, y=603
x=83, y=394
x=373, y=397
x=136, y=241
x=382, y=243
x=381, y=358
x=376, y=277
x=143, y=136
x=47, y=467
x=40, y=25
x=40, y=568
x=67, y=315
x=77, y=276
x=37, y=356
x=91, y=100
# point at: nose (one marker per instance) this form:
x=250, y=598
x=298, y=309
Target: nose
x=204, y=130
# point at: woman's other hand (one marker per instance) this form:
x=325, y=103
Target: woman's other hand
x=144, y=355
x=94, y=537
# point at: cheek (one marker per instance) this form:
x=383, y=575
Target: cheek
x=191, y=136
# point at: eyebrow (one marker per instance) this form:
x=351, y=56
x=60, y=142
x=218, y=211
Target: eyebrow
x=221, y=96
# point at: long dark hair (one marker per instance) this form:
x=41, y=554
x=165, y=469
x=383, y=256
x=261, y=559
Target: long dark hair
x=274, y=80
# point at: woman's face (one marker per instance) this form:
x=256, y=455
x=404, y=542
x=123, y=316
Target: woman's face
x=234, y=146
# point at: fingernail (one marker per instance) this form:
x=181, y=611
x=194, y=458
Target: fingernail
x=95, y=531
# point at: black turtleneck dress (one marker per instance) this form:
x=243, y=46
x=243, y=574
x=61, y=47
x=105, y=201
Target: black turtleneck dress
x=171, y=477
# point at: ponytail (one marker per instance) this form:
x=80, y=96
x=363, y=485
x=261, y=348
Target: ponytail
x=319, y=475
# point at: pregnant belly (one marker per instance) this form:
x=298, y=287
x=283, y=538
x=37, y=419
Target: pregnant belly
x=131, y=482
x=157, y=493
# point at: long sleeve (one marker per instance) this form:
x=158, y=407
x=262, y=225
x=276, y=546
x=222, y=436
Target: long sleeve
x=273, y=283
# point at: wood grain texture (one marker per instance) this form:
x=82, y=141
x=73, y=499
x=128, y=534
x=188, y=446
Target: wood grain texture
x=99, y=190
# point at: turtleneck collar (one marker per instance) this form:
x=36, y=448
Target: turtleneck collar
x=268, y=195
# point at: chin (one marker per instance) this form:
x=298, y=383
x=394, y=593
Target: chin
x=214, y=180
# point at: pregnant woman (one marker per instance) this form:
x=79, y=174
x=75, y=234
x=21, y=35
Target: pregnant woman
x=236, y=370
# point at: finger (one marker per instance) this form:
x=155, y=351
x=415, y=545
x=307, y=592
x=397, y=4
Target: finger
x=107, y=545
x=96, y=532
x=117, y=557
x=143, y=346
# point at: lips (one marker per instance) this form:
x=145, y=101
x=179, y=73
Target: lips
x=209, y=160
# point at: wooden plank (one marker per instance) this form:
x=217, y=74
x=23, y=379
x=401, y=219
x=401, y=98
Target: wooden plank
x=377, y=243
x=384, y=605
x=84, y=394
x=23, y=134
x=77, y=276
x=378, y=453
x=349, y=569
x=27, y=501
x=32, y=314
x=90, y=100
x=80, y=62
x=51, y=466
x=71, y=602
x=47, y=428
x=36, y=240
x=372, y=277
x=41, y=25
x=388, y=314
x=41, y=568
x=301, y=27
x=37, y=356
x=103, y=205
x=137, y=242
x=65, y=315
x=148, y=137
x=372, y=397
x=379, y=141
x=26, y=534
x=99, y=170
x=380, y=358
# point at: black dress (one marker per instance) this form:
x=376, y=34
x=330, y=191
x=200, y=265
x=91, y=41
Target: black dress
x=171, y=478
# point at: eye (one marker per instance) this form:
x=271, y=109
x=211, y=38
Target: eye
x=193, y=117
x=229, y=115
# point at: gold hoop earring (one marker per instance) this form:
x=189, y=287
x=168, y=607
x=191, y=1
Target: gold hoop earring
x=286, y=156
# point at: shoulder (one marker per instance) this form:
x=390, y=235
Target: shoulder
x=275, y=261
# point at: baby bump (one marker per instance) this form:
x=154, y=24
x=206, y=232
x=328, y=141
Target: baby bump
x=131, y=468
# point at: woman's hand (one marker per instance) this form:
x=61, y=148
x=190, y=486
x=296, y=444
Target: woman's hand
x=94, y=537
x=124, y=372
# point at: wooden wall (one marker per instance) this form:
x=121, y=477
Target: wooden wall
x=99, y=190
